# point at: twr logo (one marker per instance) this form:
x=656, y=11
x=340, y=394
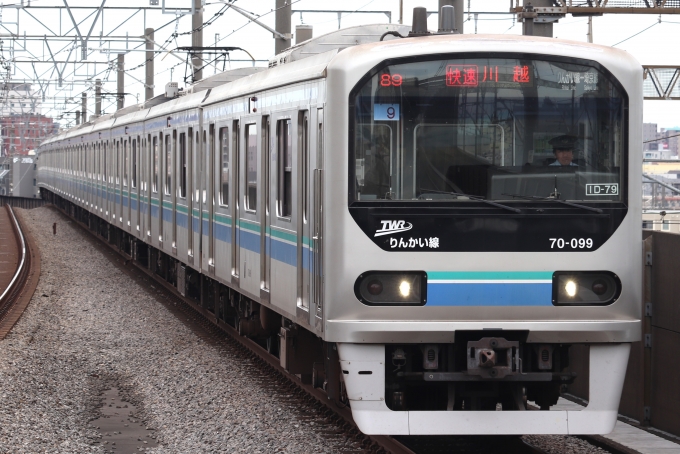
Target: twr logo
x=390, y=227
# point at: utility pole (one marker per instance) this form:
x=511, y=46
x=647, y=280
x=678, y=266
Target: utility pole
x=590, y=29
x=459, y=11
x=84, y=107
x=77, y=117
x=148, y=89
x=282, y=25
x=121, y=81
x=98, y=97
x=197, y=40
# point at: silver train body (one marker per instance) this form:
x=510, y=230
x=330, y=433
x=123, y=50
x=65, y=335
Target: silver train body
x=261, y=169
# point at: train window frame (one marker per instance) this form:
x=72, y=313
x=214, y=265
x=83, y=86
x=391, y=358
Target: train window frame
x=126, y=163
x=154, y=183
x=133, y=164
x=196, y=177
x=303, y=156
x=250, y=148
x=202, y=136
x=118, y=162
x=354, y=201
x=142, y=163
x=104, y=168
x=182, y=169
x=284, y=171
x=224, y=166
x=167, y=158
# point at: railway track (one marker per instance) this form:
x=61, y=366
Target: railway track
x=17, y=293
x=333, y=420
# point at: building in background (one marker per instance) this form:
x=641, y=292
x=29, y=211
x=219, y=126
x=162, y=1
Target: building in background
x=21, y=134
x=660, y=143
x=22, y=125
x=19, y=99
x=18, y=177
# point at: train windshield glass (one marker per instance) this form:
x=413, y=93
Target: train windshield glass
x=488, y=127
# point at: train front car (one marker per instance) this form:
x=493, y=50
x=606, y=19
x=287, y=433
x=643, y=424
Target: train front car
x=491, y=222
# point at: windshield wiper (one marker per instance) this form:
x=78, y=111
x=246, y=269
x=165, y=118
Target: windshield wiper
x=554, y=199
x=474, y=197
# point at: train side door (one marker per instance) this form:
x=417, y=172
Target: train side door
x=303, y=243
x=174, y=187
x=119, y=182
x=188, y=154
x=150, y=185
x=126, y=183
x=317, y=231
x=265, y=210
x=248, y=221
x=235, y=205
x=212, y=196
x=136, y=184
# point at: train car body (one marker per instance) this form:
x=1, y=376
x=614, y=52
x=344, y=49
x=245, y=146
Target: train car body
x=392, y=211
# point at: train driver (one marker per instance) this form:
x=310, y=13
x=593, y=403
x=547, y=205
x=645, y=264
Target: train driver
x=563, y=148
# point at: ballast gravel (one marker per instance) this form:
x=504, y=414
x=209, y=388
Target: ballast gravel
x=91, y=330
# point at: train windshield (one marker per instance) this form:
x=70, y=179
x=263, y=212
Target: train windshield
x=497, y=128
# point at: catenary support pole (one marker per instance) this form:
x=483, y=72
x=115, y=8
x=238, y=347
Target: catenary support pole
x=303, y=33
x=531, y=27
x=121, y=81
x=83, y=107
x=197, y=40
x=459, y=9
x=98, y=97
x=282, y=24
x=148, y=89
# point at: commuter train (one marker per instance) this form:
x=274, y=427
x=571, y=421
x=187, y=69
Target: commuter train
x=386, y=215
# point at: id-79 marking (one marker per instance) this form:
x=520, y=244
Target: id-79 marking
x=574, y=243
x=602, y=189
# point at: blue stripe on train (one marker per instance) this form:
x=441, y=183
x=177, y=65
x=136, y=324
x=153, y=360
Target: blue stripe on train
x=489, y=294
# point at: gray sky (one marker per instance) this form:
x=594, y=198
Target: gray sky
x=656, y=45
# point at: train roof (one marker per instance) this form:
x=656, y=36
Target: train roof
x=310, y=60
x=304, y=61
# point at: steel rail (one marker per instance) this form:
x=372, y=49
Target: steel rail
x=22, y=245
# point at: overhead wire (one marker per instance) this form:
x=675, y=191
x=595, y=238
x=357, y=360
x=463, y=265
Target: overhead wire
x=638, y=33
x=661, y=138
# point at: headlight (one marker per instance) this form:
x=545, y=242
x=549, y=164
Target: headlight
x=585, y=288
x=386, y=288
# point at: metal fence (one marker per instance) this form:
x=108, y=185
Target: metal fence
x=651, y=392
x=21, y=202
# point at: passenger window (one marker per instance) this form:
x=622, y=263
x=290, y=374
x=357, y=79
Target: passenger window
x=168, y=164
x=251, y=167
x=224, y=166
x=155, y=164
x=204, y=166
x=285, y=168
x=126, y=163
x=183, y=165
x=134, y=163
x=105, y=174
x=304, y=155
x=118, y=162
